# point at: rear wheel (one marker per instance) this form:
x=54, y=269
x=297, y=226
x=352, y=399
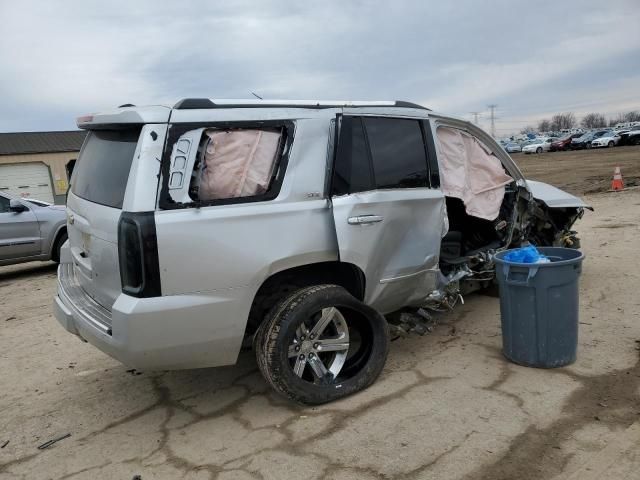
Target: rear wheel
x=320, y=344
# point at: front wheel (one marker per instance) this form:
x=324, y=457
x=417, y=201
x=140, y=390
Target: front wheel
x=320, y=344
x=611, y=144
x=539, y=150
x=55, y=253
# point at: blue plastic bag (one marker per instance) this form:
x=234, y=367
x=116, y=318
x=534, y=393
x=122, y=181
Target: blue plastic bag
x=528, y=254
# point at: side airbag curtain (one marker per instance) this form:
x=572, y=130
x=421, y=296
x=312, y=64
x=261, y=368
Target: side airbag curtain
x=237, y=163
x=470, y=172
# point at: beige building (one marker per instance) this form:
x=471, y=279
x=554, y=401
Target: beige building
x=38, y=164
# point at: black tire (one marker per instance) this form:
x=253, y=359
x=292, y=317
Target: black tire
x=539, y=150
x=55, y=253
x=280, y=332
x=610, y=144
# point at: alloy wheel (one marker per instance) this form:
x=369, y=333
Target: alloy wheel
x=320, y=346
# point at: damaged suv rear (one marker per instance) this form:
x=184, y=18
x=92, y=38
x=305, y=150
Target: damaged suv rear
x=298, y=227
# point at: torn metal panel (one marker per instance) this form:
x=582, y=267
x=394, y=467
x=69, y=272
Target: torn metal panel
x=551, y=227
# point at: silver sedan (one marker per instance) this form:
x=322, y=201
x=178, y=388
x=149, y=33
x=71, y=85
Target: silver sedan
x=512, y=147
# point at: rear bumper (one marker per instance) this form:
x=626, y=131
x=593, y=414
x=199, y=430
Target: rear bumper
x=161, y=333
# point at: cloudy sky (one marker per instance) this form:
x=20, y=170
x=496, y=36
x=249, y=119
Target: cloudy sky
x=531, y=58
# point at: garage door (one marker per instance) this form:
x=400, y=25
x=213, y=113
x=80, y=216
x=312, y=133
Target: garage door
x=27, y=180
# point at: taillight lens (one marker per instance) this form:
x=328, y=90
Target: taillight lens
x=138, y=255
x=130, y=253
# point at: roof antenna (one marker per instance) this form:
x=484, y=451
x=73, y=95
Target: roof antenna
x=256, y=95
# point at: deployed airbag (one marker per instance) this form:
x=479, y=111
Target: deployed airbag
x=470, y=172
x=237, y=163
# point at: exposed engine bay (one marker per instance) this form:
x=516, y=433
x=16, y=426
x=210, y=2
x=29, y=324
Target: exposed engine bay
x=468, y=248
x=467, y=251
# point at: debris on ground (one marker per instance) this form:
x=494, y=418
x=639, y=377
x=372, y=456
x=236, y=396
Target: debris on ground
x=419, y=322
x=52, y=441
x=5, y=444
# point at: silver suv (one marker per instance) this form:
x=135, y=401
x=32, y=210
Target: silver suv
x=30, y=230
x=300, y=227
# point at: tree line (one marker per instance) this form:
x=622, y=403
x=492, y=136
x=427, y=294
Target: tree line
x=567, y=120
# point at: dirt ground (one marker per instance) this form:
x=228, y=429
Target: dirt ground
x=447, y=406
x=583, y=171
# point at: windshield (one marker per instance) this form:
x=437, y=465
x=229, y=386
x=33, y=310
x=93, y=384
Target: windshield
x=102, y=170
x=600, y=134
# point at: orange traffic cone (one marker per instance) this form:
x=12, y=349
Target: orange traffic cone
x=616, y=183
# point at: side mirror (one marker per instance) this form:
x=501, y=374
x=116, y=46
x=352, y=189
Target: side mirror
x=16, y=207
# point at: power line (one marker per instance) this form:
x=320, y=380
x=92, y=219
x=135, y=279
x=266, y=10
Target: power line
x=475, y=117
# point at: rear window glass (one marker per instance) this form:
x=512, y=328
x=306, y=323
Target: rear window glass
x=102, y=170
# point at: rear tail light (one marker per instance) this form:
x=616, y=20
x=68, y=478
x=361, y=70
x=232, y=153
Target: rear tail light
x=138, y=254
x=83, y=120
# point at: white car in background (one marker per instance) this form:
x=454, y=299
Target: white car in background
x=539, y=145
x=609, y=139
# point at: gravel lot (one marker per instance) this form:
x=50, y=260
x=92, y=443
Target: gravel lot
x=448, y=405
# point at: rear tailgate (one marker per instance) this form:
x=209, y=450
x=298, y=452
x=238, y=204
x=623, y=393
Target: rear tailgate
x=94, y=205
x=93, y=232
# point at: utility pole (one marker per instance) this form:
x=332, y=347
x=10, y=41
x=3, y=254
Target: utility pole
x=475, y=117
x=492, y=108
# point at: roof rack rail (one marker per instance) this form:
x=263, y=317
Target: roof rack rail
x=206, y=103
x=405, y=104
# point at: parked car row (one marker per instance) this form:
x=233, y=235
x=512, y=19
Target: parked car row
x=605, y=137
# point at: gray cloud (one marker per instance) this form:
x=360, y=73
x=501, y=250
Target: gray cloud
x=62, y=59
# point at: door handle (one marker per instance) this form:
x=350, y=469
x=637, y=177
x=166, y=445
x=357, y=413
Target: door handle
x=363, y=219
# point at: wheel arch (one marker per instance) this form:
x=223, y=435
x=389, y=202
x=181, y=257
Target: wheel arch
x=283, y=281
x=60, y=230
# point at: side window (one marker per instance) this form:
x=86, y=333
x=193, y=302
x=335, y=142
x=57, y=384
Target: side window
x=398, y=152
x=352, y=172
x=4, y=204
x=234, y=163
x=219, y=165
